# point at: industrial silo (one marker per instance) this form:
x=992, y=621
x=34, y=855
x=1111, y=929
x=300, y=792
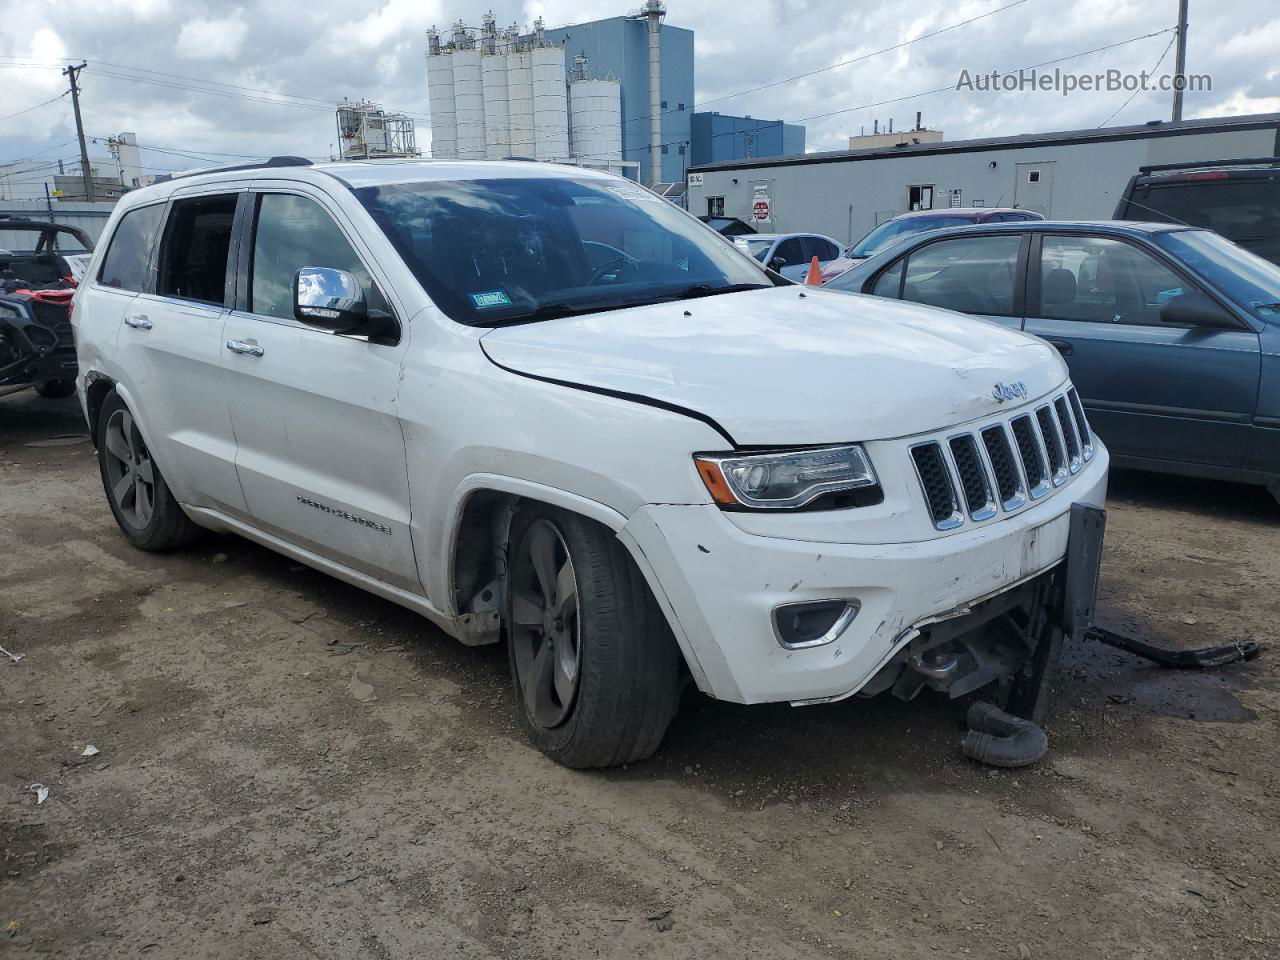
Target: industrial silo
x=550, y=105
x=493, y=76
x=520, y=102
x=595, y=117
x=468, y=96
x=444, y=123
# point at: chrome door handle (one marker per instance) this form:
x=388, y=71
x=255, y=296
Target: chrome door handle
x=247, y=347
x=138, y=321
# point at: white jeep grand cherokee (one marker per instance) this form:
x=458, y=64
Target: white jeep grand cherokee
x=541, y=402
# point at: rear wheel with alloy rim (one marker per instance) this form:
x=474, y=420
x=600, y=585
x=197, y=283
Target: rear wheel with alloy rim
x=145, y=510
x=595, y=667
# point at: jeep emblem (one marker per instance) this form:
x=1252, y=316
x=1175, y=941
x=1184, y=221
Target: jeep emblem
x=1010, y=391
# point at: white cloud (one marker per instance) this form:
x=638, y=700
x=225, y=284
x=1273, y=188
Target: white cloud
x=203, y=39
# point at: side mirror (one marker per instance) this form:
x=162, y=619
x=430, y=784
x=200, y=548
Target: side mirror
x=1196, y=310
x=777, y=263
x=333, y=300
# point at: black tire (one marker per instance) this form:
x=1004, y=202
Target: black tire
x=56, y=389
x=156, y=522
x=628, y=664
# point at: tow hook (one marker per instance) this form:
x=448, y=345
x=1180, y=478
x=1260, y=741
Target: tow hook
x=1001, y=739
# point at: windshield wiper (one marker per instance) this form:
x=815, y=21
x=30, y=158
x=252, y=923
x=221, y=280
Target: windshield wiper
x=707, y=290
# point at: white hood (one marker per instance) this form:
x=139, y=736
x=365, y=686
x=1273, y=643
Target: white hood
x=790, y=365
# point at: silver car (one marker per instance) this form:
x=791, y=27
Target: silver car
x=789, y=253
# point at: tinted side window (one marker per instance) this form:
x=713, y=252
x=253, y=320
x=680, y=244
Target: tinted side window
x=791, y=250
x=970, y=274
x=126, y=264
x=822, y=249
x=890, y=282
x=193, y=254
x=1103, y=280
x=293, y=232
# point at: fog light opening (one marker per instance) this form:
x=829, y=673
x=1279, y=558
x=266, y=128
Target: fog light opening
x=812, y=623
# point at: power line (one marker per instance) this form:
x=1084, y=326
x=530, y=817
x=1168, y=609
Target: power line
x=1129, y=99
x=36, y=106
x=947, y=89
x=862, y=57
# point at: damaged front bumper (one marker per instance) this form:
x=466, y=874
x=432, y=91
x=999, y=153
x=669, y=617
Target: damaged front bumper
x=721, y=586
x=36, y=343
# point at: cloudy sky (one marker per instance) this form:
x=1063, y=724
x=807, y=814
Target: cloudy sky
x=204, y=81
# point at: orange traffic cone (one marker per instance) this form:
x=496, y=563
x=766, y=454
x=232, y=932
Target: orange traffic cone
x=814, y=276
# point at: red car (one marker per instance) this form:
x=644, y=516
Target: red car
x=891, y=231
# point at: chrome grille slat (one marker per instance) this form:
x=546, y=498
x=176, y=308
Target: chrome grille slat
x=1004, y=464
x=1067, y=426
x=1004, y=467
x=1051, y=441
x=971, y=471
x=1082, y=424
x=939, y=489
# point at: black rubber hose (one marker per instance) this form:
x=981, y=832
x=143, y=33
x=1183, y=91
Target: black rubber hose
x=1001, y=739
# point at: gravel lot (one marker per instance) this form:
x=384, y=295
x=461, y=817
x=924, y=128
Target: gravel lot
x=291, y=768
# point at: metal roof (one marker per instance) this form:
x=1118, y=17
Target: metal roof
x=1155, y=128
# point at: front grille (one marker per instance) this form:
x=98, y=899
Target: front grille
x=1008, y=485
x=936, y=481
x=1025, y=457
x=972, y=474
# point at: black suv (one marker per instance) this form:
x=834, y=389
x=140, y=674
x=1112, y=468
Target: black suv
x=1239, y=199
x=37, y=348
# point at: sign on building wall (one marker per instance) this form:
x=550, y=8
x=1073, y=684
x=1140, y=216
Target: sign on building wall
x=955, y=199
x=761, y=207
x=695, y=180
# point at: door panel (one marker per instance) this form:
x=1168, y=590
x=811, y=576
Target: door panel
x=1151, y=390
x=171, y=348
x=320, y=453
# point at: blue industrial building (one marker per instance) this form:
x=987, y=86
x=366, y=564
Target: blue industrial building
x=619, y=46
x=719, y=138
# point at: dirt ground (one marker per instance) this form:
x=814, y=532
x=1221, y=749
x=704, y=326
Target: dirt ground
x=291, y=768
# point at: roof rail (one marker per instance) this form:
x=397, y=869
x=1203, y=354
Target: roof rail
x=1198, y=164
x=265, y=164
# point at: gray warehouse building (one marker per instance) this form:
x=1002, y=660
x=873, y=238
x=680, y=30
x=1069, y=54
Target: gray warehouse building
x=1073, y=175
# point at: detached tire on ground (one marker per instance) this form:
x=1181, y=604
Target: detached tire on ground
x=145, y=510
x=56, y=389
x=595, y=666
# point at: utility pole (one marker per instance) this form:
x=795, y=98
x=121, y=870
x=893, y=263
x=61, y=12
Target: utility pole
x=85, y=171
x=1180, y=68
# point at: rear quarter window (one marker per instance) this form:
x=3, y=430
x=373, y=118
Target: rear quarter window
x=127, y=263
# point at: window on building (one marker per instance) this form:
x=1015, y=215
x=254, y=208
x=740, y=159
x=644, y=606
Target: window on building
x=1033, y=176
x=920, y=197
x=679, y=106
x=715, y=206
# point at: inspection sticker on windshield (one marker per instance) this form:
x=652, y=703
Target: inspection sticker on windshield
x=634, y=193
x=491, y=298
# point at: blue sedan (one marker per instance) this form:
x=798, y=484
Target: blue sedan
x=1172, y=334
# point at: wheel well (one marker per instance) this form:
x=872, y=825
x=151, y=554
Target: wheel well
x=96, y=395
x=478, y=561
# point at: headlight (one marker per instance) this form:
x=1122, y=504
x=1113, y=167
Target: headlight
x=787, y=479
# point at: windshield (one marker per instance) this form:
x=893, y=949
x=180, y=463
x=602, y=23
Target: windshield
x=892, y=230
x=512, y=250
x=1244, y=277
